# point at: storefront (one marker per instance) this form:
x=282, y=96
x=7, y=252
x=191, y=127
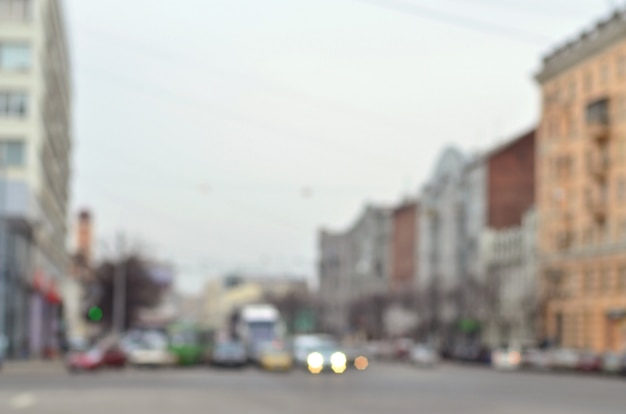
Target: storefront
x=45, y=317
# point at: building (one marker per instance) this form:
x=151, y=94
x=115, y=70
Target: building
x=499, y=193
x=333, y=281
x=224, y=296
x=35, y=143
x=465, y=198
x=581, y=192
x=440, y=225
x=511, y=272
x=354, y=266
x=81, y=274
x=403, y=262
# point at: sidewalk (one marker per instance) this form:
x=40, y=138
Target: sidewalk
x=33, y=366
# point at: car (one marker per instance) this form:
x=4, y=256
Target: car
x=274, y=356
x=506, y=358
x=301, y=346
x=402, y=348
x=611, y=363
x=535, y=358
x=106, y=353
x=229, y=354
x=150, y=350
x=590, y=362
x=564, y=359
x=327, y=356
x=423, y=355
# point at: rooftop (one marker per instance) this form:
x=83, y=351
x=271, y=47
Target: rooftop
x=603, y=34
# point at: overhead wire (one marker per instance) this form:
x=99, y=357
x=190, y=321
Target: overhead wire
x=459, y=21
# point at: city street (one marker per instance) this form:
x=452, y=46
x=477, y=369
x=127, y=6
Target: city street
x=385, y=388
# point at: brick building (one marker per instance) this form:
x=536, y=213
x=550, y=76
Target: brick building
x=403, y=249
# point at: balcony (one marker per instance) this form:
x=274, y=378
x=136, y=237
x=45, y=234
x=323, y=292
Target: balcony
x=599, y=132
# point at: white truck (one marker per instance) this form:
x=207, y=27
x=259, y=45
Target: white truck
x=258, y=324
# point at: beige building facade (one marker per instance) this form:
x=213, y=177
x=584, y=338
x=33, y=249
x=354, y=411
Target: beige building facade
x=581, y=190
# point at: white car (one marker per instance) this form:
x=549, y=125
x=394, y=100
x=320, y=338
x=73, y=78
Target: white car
x=564, y=359
x=506, y=358
x=423, y=355
x=151, y=350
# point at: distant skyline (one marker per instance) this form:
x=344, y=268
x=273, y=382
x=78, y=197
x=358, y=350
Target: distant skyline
x=222, y=135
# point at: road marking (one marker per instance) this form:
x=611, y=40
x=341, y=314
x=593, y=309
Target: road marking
x=23, y=401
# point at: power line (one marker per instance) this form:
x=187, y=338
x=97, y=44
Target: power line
x=459, y=21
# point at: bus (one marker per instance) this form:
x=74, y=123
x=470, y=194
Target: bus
x=257, y=324
x=189, y=343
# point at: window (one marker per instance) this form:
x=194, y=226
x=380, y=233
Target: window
x=572, y=90
x=605, y=281
x=573, y=130
x=621, y=279
x=621, y=189
x=13, y=104
x=621, y=66
x=588, y=82
x=12, y=153
x=15, y=56
x=588, y=281
x=15, y=9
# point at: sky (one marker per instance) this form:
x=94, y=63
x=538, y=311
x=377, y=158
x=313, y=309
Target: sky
x=222, y=135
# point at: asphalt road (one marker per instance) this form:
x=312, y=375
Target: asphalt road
x=383, y=388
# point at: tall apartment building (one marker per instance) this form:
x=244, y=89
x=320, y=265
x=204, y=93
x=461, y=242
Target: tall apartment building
x=581, y=189
x=35, y=148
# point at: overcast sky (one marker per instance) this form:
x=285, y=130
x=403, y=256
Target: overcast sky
x=221, y=134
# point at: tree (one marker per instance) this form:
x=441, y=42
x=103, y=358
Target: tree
x=141, y=290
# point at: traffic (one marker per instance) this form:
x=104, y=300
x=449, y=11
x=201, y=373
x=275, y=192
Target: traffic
x=255, y=337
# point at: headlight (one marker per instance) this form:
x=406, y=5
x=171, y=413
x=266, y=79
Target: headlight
x=338, y=359
x=315, y=360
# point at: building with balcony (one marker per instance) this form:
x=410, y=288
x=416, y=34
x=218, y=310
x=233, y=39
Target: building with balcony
x=35, y=149
x=581, y=191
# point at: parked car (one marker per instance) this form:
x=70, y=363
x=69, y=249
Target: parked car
x=564, y=359
x=611, y=363
x=590, y=362
x=151, y=350
x=535, y=358
x=229, y=354
x=107, y=353
x=402, y=348
x=423, y=355
x=506, y=358
x=275, y=356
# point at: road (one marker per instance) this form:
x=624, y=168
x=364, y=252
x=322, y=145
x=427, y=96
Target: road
x=383, y=388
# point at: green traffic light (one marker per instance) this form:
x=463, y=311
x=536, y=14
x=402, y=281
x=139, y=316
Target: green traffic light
x=95, y=314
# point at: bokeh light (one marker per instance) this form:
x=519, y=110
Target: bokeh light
x=95, y=314
x=361, y=363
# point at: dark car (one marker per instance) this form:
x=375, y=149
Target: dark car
x=229, y=354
